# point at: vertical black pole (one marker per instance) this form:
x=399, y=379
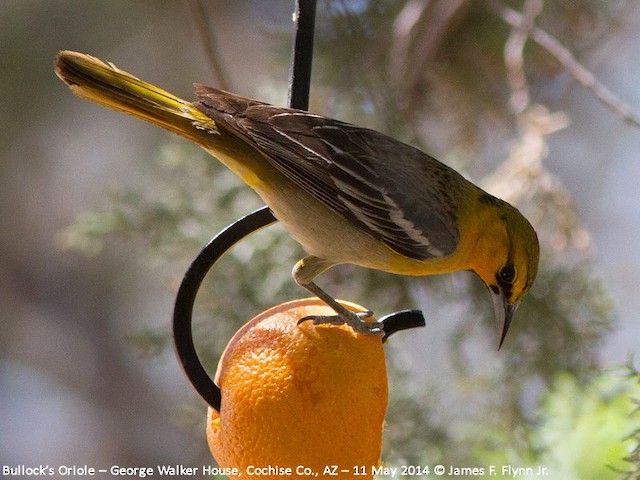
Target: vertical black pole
x=300, y=73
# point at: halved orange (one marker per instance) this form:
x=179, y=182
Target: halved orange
x=299, y=401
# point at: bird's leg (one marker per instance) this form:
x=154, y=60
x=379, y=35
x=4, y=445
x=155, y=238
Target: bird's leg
x=304, y=272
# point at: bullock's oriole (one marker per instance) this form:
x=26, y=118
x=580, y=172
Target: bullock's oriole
x=347, y=194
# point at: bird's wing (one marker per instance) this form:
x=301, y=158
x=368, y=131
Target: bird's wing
x=393, y=191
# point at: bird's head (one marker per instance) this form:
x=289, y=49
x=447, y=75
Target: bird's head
x=506, y=260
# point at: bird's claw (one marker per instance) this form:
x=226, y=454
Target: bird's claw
x=354, y=319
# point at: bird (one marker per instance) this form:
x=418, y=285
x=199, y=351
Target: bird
x=347, y=194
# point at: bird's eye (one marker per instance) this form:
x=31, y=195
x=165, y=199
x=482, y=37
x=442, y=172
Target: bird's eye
x=507, y=273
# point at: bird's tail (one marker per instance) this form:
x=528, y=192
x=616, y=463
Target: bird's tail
x=105, y=84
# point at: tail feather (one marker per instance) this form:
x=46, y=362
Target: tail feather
x=107, y=85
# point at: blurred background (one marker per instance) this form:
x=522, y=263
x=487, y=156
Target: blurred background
x=101, y=214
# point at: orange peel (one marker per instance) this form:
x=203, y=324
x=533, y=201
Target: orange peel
x=299, y=401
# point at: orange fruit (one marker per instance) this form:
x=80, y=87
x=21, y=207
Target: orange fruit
x=299, y=401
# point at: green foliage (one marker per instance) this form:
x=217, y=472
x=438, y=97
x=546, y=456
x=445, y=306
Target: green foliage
x=584, y=431
x=581, y=431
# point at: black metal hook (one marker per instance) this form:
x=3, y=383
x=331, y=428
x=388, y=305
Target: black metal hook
x=185, y=299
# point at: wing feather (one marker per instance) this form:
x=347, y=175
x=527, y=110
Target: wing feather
x=393, y=191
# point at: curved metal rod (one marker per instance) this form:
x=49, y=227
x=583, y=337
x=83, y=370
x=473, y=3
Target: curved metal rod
x=185, y=299
x=182, y=313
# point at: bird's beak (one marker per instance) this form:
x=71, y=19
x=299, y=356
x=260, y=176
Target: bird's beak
x=504, y=313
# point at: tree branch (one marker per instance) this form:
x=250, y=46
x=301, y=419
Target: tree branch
x=199, y=15
x=514, y=56
x=583, y=75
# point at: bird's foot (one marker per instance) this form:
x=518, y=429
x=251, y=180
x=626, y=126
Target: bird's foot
x=356, y=320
